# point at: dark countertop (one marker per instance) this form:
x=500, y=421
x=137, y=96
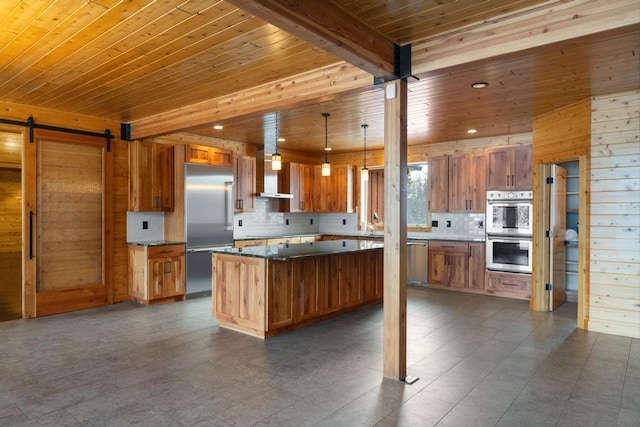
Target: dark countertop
x=155, y=243
x=280, y=236
x=285, y=252
x=376, y=235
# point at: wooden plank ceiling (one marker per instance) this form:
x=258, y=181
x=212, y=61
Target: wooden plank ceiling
x=130, y=60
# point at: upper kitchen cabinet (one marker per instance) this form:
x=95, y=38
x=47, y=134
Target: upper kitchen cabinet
x=376, y=196
x=467, y=182
x=245, y=184
x=334, y=193
x=151, y=182
x=208, y=155
x=296, y=179
x=510, y=168
x=438, y=182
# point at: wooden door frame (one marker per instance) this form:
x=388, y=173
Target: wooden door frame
x=93, y=296
x=539, y=300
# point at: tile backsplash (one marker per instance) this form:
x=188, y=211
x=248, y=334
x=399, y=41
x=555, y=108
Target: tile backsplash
x=154, y=223
x=461, y=223
x=267, y=222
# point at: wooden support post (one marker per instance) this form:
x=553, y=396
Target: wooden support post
x=395, y=230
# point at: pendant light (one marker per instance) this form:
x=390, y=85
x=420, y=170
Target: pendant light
x=276, y=159
x=326, y=166
x=364, y=172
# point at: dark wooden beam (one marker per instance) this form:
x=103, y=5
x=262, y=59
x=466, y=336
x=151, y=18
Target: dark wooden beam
x=325, y=25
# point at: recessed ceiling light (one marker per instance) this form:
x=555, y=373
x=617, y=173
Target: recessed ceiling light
x=472, y=131
x=479, y=85
x=327, y=148
x=218, y=127
x=281, y=140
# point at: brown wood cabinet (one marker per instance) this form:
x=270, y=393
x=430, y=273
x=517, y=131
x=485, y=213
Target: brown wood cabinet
x=334, y=193
x=448, y=263
x=295, y=292
x=456, y=265
x=205, y=155
x=477, y=265
x=280, y=294
x=248, y=243
x=333, y=293
x=372, y=274
x=512, y=285
x=457, y=183
x=241, y=301
x=510, y=168
x=376, y=196
x=307, y=289
x=245, y=184
x=157, y=273
x=467, y=183
x=438, y=183
x=296, y=179
x=151, y=177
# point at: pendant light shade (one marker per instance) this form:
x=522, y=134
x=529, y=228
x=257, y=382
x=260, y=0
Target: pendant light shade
x=326, y=166
x=276, y=158
x=276, y=161
x=364, y=172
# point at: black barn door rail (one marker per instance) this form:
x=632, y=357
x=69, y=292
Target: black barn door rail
x=31, y=124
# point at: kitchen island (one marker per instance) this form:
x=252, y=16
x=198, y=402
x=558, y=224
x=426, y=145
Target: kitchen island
x=266, y=290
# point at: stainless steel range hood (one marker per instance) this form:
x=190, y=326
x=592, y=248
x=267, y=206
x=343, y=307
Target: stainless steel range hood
x=266, y=178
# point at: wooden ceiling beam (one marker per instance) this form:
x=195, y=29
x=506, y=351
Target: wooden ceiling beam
x=318, y=86
x=551, y=22
x=327, y=26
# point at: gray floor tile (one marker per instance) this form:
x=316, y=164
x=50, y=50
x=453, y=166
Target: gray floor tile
x=481, y=361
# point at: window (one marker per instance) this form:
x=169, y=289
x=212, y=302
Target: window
x=372, y=204
x=417, y=195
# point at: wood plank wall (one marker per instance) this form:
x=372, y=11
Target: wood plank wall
x=560, y=136
x=421, y=153
x=615, y=215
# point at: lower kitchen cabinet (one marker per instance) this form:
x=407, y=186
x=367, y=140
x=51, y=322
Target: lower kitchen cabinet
x=512, y=285
x=457, y=265
x=157, y=273
x=448, y=263
x=477, y=265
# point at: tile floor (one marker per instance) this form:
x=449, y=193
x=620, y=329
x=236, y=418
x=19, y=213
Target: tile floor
x=482, y=361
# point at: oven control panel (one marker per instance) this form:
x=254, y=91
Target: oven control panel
x=509, y=195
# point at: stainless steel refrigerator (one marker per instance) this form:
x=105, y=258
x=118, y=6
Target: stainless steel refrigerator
x=209, y=220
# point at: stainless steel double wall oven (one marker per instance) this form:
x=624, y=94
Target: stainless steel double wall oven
x=509, y=231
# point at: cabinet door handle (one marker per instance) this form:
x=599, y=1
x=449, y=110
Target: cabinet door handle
x=301, y=206
x=513, y=180
x=507, y=180
x=240, y=204
x=30, y=234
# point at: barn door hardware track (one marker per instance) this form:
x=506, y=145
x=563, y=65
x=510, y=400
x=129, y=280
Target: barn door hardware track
x=31, y=124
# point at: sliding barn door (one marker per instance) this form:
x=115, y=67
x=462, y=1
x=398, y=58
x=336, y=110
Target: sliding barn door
x=65, y=218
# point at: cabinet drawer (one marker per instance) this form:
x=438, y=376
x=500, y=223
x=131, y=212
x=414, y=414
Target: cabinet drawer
x=247, y=243
x=165, y=251
x=507, y=282
x=440, y=245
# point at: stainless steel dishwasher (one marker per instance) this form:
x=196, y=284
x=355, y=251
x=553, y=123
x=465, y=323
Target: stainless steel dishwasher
x=417, y=271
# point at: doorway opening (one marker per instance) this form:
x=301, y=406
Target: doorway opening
x=562, y=212
x=11, y=224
